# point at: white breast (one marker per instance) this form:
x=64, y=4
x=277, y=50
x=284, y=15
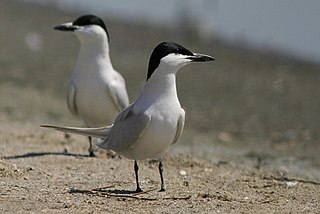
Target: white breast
x=160, y=133
x=92, y=100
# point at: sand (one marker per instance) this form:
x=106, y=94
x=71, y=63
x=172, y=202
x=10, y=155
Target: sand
x=41, y=171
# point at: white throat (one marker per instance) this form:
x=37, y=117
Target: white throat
x=160, y=86
x=94, y=55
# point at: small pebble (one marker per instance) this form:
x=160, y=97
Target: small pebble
x=183, y=173
x=291, y=184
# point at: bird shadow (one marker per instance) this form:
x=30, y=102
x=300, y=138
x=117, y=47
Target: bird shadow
x=37, y=154
x=132, y=194
x=120, y=193
x=104, y=190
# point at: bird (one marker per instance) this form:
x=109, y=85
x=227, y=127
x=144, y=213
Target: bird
x=96, y=91
x=155, y=120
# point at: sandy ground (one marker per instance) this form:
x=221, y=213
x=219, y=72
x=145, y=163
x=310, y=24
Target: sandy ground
x=34, y=181
x=206, y=172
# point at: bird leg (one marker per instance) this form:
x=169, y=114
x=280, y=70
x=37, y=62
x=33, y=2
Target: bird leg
x=161, y=176
x=136, y=168
x=91, y=153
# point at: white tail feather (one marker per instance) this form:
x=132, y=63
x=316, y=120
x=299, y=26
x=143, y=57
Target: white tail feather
x=100, y=132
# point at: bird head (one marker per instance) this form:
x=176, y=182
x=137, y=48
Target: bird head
x=172, y=56
x=88, y=28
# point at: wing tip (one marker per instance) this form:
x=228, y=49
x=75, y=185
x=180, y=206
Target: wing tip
x=46, y=126
x=101, y=143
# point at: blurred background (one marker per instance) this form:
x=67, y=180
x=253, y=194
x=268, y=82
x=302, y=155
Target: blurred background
x=257, y=104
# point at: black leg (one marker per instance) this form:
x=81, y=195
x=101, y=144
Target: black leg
x=91, y=153
x=161, y=176
x=136, y=168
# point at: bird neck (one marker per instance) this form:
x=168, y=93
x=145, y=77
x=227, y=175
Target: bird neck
x=95, y=52
x=161, y=86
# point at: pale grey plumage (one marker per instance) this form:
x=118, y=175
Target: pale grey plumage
x=71, y=96
x=96, y=91
x=128, y=127
x=180, y=126
x=147, y=127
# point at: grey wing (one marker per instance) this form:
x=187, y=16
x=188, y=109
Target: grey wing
x=118, y=93
x=71, y=98
x=180, y=126
x=128, y=127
